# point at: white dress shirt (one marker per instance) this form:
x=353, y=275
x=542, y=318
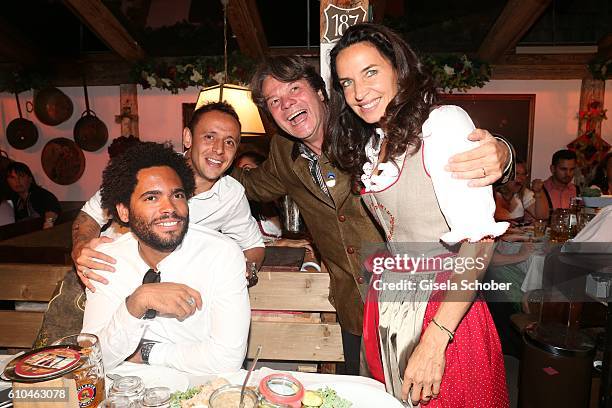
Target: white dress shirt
x=211, y=341
x=223, y=208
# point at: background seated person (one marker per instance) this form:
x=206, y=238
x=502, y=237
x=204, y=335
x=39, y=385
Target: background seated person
x=28, y=198
x=559, y=187
x=516, y=202
x=180, y=298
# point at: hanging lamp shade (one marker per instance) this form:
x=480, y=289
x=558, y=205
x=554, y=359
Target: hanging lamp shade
x=240, y=98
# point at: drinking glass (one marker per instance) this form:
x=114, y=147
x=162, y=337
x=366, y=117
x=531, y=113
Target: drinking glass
x=89, y=377
x=560, y=225
x=539, y=228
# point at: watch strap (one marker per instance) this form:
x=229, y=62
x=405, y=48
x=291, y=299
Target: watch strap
x=149, y=314
x=145, y=351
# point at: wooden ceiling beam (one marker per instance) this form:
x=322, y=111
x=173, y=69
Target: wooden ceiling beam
x=246, y=25
x=105, y=25
x=13, y=47
x=541, y=66
x=514, y=21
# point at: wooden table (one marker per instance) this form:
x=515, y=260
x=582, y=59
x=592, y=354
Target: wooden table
x=52, y=245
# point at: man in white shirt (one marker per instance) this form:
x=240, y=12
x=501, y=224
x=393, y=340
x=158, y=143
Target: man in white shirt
x=212, y=139
x=182, y=289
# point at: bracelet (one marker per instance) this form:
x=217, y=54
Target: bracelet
x=451, y=335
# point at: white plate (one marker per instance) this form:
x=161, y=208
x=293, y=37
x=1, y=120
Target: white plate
x=154, y=376
x=362, y=396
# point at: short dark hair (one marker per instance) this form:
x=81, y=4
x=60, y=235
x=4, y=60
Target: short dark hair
x=119, y=178
x=563, y=155
x=256, y=157
x=19, y=168
x=223, y=107
x=284, y=69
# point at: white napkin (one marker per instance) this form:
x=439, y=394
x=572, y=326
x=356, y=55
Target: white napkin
x=468, y=210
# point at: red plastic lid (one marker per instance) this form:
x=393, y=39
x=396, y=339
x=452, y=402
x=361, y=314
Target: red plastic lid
x=282, y=389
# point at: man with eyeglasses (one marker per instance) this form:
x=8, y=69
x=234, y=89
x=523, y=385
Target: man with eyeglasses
x=182, y=289
x=219, y=203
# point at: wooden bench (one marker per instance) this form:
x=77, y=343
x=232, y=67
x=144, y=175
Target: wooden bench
x=30, y=283
x=311, y=336
x=306, y=337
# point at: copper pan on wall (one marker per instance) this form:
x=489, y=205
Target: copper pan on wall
x=21, y=133
x=63, y=161
x=52, y=106
x=90, y=133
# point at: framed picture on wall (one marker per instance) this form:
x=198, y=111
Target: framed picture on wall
x=510, y=115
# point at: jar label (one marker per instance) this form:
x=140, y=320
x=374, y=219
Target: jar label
x=86, y=394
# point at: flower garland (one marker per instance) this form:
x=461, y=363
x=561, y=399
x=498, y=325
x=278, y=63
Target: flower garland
x=192, y=71
x=594, y=113
x=452, y=72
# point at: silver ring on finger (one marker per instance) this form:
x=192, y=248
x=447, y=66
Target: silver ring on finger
x=191, y=301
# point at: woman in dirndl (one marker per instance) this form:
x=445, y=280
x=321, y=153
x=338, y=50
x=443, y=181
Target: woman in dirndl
x=430, y=344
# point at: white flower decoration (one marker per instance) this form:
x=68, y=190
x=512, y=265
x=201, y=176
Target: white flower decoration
x=151, y=80
x=218, y=77
x=448, y=70
x=196, y=76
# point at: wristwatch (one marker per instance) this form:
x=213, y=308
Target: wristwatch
x=149, y=314
x=145, y=351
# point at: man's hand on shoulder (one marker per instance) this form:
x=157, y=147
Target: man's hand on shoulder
x=168, y=298
x=86, y=258
x=85, y=238
x=484, y=164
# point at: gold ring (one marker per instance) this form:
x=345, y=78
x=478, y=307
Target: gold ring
x=484, y=172
x=84, y=273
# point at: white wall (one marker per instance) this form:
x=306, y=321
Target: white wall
x=556, y=112
x=160, y=115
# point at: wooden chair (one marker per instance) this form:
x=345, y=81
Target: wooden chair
x=31, y=283
x=285, y=335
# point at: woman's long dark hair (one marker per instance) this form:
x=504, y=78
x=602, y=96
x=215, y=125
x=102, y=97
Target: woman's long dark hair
x=347, y=134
